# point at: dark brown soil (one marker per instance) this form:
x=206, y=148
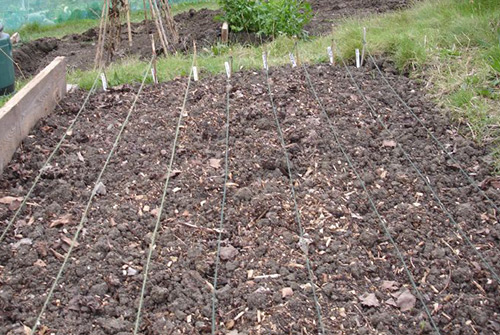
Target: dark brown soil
x=200, y=26
x=330, y=12
x=350, y=255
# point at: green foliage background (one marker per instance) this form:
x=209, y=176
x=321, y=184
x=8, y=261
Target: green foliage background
x=270, y=18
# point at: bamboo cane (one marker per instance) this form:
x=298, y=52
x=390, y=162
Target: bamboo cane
x=162, y=27
x=145, y=10
x=167, y=12
x=99, y=41
x=157, y=23
x=104, y=32
x=129, y=28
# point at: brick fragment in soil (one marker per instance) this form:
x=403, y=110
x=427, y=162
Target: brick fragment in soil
x=349, y=252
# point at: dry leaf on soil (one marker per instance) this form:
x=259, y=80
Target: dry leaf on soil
x=490, y=181
x=406, y=301
x=369, y=300
x=389, y=285
x=230, y=324
x=8, y=200
x=61, y=221
x=13, y=202
x=215, y=163
x=391, y=302
x=69, y=241
x=40, y=263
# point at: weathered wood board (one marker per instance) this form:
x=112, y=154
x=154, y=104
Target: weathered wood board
x=34, y=101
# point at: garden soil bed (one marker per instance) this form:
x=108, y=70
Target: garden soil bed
x=353, y=261
x=200, y=26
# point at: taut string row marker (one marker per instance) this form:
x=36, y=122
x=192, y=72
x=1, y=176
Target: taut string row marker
x=84, y=217
x=223, y=206
x=382, y=221
x=152, y=244
x=298, y=220
x=436, y=140
x=424, y=178
x=49, y=159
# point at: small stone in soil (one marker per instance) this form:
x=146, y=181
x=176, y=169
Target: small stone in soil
x=131, y=271
x=100, y=189
x=286, y=292
x=229, y=252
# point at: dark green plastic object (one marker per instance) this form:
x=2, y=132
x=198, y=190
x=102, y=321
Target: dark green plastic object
x=7, y=79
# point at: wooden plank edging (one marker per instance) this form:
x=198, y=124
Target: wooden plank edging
x=35, y=100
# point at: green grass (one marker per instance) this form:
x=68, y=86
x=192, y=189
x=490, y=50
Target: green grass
x=34, y=31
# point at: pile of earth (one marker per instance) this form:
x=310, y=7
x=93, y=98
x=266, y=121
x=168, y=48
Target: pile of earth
x=264, y=286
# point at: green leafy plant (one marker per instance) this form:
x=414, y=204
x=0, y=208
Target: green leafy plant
x=240, y=14
x=285, y=17
x=270, y=18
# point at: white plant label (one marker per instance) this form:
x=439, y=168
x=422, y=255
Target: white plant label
x=264, y=60
x=292, y=59
x=153, y=73
x=104, y=82
x=330, y=54
x=195, y=73
x=358, y=61
x=228, y=69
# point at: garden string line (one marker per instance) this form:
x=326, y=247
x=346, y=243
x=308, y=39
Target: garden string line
x=152, y=245
x=49, y=159
x=223, y=204
x=429, y=132
x=422, y=176
x=296, y=207
x=372, y=203
x=89, y=203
